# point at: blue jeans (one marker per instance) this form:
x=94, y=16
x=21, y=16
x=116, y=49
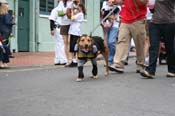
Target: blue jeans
x=156, y=31
x=112, y=38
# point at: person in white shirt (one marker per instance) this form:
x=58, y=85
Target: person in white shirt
x=106, y=8
x=60, y=56
x=111, y=27
x=75, y=31
x=64, y=13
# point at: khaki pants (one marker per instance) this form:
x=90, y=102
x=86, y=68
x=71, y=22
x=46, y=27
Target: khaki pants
x=135, y=30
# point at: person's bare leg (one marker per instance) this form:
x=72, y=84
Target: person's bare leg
x=147, y=44
x=66, y=46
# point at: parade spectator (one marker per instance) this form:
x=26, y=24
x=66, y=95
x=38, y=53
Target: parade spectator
x=106, y=24
x=77, y=18
x=112, y=35
x=2, y=51
x=4, y=30
x=55, y=20
x=162, y=25
x=11, y=21
x=64, y=12
x=133, y=14
x=110, y=26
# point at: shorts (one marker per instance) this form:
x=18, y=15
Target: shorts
x=73, y=41
x=64, y=29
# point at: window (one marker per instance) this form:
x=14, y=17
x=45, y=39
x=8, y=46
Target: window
x=46, y=6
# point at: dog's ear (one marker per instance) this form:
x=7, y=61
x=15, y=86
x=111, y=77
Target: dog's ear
x=92, y=40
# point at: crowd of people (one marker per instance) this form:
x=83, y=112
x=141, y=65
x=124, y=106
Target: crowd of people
x=65, y=24
x=161, y=25
x=144, y=21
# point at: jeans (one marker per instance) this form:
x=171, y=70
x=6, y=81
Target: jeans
x=112, y=38
x=6, y=54
x=156, y=32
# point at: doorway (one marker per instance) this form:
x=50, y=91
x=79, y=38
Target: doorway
x=23, y=26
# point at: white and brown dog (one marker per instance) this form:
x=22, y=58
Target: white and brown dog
x=88, y=48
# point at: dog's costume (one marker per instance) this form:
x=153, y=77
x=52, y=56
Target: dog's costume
x=83, y=57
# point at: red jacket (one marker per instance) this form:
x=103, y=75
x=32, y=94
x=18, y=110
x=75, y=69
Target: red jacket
x=132, y=11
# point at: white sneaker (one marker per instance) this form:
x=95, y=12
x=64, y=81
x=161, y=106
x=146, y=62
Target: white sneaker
x=79, y=79
x=170, y=75
x=147, y=74
x=95, y=77
x=140, y=68
x=115, y=68
x=2, y=66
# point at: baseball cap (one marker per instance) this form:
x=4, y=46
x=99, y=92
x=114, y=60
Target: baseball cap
x=3, y=1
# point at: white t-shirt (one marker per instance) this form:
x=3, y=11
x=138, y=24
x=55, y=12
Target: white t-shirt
x=105, y=6
x=75, y=26
x=54, y=16
x=65, y=20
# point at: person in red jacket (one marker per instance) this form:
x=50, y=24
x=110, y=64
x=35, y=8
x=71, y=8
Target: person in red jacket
x=133, y=20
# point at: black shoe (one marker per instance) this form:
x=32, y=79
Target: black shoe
x=11, y=56
x=60, y=64
x=72, y=64
x=126, y=63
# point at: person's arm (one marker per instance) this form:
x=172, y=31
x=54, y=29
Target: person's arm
x=118, y=2
x=78, y=17
x=52, y=26
x=8, y=20
x=52, y=19
x=143, y=1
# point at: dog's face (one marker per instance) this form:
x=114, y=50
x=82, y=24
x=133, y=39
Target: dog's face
x=85, y=43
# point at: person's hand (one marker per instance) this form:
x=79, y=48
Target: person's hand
x=69, y=13
x=52, y=32
x=3, y=50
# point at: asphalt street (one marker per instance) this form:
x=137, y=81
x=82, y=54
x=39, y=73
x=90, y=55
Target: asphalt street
x=53, y=91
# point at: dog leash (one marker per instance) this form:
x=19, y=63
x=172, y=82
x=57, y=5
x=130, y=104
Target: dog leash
x=115, y=6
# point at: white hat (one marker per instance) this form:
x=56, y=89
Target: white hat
x=3, y=1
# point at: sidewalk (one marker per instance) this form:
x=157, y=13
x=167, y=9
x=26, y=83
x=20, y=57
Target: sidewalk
x=36, y=59
x=32, y=59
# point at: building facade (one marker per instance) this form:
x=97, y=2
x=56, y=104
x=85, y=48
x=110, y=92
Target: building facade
x=32, y=30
